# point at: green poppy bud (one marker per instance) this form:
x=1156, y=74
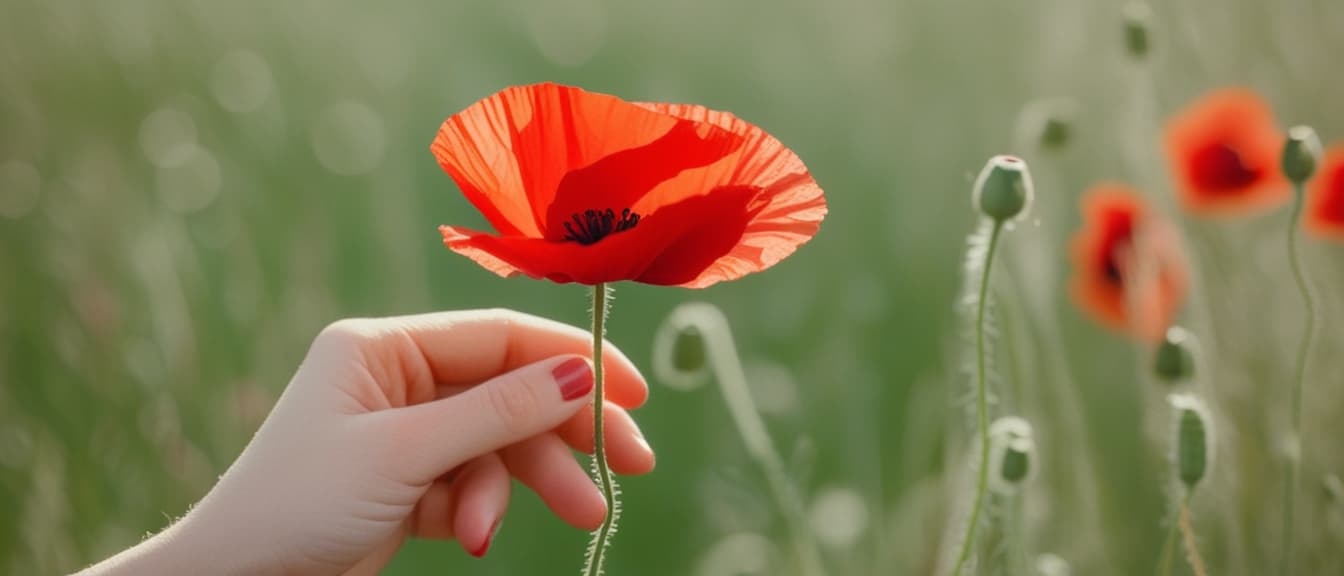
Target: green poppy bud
x=1301, y=153
x=1138, y=19
x=1003, y=190
x=1174, y=360
x=1194, y=439
x=1048, y=122
x=680, y=352
x=1013, y=454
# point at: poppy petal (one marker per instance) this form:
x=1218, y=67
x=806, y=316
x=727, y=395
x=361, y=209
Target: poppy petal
x=1129, y=274
x=1325, y=213
x=1224, y=150
x=619, y=181
x=791, y=203
x=652, y=252
x=509, y=152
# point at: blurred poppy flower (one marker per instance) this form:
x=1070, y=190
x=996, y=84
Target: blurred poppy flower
x=1224, y=149
x=1129, y=273
x=588, y=188
x=1325, y=211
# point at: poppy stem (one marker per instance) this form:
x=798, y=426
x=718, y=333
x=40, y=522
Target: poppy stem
x=981, y=402
x=597, y=549
x=1188, y=539
x=1293, y=456
x=1168, y=548
x=726, y=366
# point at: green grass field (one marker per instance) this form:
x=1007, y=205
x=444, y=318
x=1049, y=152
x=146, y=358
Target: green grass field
x=190, y=190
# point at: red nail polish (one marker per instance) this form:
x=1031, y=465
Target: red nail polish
x=574, y=377
x=485, y=546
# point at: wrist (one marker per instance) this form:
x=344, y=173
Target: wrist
x=200, y=543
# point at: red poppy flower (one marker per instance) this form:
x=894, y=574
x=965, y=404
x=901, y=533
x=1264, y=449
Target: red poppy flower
x=1225, y=150
x=1325, y=211
x=1129, y=273
x=588, y=188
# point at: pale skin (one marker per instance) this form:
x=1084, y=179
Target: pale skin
x=395, y=428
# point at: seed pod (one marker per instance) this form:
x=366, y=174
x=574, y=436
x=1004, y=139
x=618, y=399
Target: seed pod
x=1013, y=453
x=1003, y=191
x=1138, y=19
x=1174, y=360
x=1301, y=153
x=1194, y=439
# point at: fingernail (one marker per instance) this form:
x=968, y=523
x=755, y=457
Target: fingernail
x=485, y=545
x=574, y=377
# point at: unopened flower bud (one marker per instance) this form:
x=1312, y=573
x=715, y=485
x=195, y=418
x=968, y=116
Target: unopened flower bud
x=1194, y=439
x=1013, y=452
x=1048, y=122
x=1138, y=19
x=1174, y=360
x=680, y=353
x=1301, y=154
x=1003, y=190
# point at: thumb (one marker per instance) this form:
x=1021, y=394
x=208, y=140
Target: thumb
x=437, y=436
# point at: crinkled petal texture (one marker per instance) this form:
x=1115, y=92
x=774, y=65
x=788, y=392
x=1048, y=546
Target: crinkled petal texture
x=716, y=198
x=1224, y=150
x=1129, y=272
x=1325, y=209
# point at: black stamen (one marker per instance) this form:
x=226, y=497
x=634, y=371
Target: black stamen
x=594, y=225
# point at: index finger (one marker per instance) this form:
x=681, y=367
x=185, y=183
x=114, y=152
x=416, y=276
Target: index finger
x=464, y=348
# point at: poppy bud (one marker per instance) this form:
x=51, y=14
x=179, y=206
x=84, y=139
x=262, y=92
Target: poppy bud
x=1174, y=360
x=1138, y=18
x=688, y=350
x=1003, y=190
x=680, y=354
x=1194, y=439
x=1301, y=154
x=1048, y=122
x=1013, y=451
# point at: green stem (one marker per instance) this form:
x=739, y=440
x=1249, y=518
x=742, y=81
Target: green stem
x=602, y=537
x=981, y=402
x=1169, y=548
x=1292, y=462
x=727, y=368
x=1017, y=539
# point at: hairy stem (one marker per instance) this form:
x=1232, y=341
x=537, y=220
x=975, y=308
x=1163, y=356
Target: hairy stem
x=1293, y=458
x=727, y=368
x=1188, y=539
x=602, y=537
x=1164, y=565
x=981, y=403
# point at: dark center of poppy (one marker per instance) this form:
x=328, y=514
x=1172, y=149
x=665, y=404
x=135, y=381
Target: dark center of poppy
x=1221, y=168
x=592, y=225
x=1110, y=268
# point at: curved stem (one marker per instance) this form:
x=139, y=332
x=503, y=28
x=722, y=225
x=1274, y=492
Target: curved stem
x=727, y=368
x=602, y=537
x=981, y=403
x=1292, y=462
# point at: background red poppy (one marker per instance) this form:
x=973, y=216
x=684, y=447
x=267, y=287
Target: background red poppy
x=1325, y=196
x=1224, y=152
x=1128, y=272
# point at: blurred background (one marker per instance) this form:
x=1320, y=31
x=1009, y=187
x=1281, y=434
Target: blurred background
x=190, y=190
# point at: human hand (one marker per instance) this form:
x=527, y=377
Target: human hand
x=408, y=426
